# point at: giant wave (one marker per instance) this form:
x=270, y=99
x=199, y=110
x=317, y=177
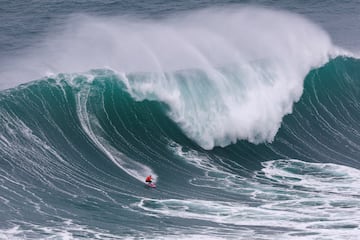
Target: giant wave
x=258, y=61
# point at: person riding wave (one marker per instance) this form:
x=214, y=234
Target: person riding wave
x=149, y=179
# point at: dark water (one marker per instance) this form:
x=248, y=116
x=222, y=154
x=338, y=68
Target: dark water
x=246, y=113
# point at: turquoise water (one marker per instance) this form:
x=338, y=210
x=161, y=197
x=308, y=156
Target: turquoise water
x=250, y=130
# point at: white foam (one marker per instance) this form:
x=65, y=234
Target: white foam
x=67, y=230
x=326, y=177
x=291, y=199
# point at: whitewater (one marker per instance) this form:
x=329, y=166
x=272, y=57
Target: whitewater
x=247, y=117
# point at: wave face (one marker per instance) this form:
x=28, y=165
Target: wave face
x=75, y=148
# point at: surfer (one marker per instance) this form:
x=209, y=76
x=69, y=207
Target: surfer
x=149, y=179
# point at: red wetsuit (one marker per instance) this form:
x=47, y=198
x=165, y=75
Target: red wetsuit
x=148, y=179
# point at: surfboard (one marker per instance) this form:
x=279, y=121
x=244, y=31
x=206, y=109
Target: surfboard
x=152, y=185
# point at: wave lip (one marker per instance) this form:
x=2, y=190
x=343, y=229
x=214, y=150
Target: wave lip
x=234, y=83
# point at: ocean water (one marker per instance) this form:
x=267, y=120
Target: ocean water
x=246, y=113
